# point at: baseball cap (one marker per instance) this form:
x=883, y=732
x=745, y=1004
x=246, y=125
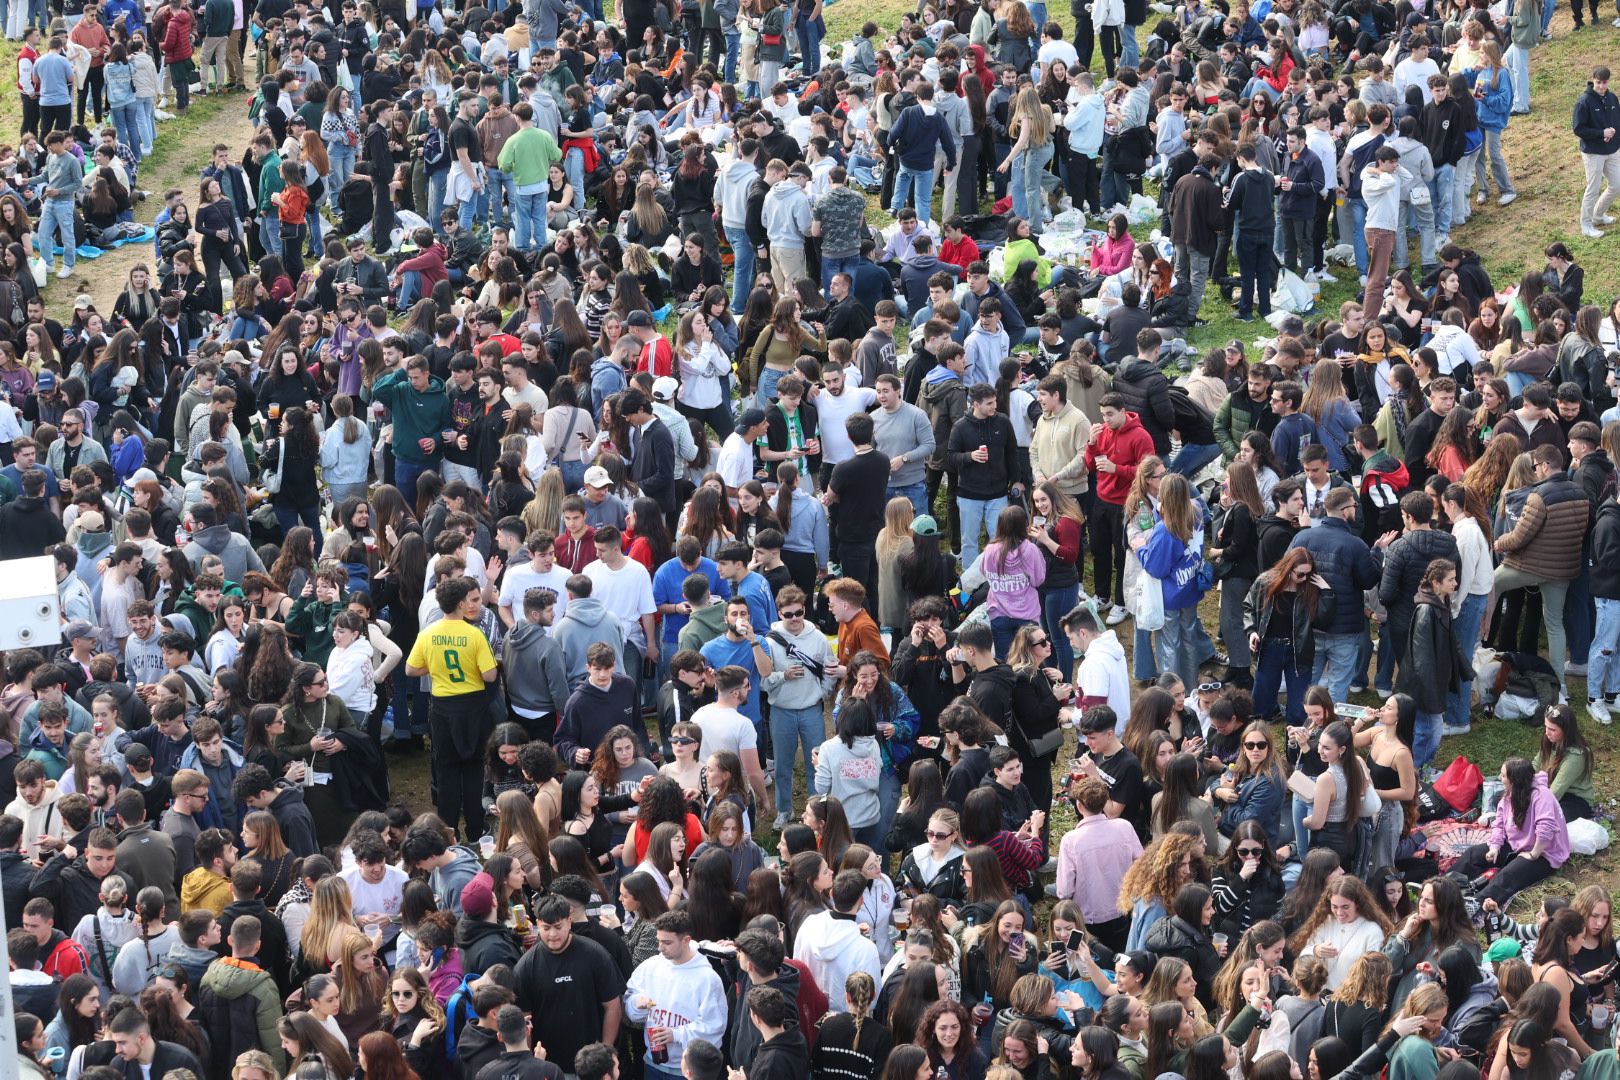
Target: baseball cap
x=46, y=380
x=596, y=476
x=640, y=318
x=91, y=521
x=78, y=628
x=664, y=388
x=82, y=302
x=752, y=418
x=478, y=896
x=925, y=525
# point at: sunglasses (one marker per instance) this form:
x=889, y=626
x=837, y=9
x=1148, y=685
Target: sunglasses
x=683, y=742
x=1255, y=745
x=1044, y=643
x=932, y=835
x=796, y=613
x=402, y=993
x=1246, y=852
x=1210, y=687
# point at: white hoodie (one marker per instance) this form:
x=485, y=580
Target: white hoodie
x=833, y=948
x=40, y=820
x=1103, y=674
x=687, y=999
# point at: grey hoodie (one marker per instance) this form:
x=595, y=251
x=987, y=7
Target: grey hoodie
x=536, y=681
x=731, y=192
x=232, y=548
x=786, y=215
x=786, y=693
x=448, y=879
x=1415, y=159
x=584, y=623
x=143, y=659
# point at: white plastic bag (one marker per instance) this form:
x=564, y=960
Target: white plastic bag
x=1516, y=707
x=1293, y=293
x=41, y=271
x=1142, y=211
x=1587, y=837
x=1148, y=609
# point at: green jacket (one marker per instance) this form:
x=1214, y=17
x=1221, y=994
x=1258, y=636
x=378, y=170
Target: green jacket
x=1524, y=25
x=228, y=980
x=218, y=18
x=1234, y=419
x=416, y=416
x=1414, y=1059
x=312, y=620
x=528, y=156
x=704, y=626
x=270, y=182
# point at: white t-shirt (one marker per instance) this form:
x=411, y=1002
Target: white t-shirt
x=382, y=898
x=521, y=578
x=736, y=461
x=1060, y=51
x=530, y=395
x=831, y=412
x=724, y=728
x=627, y=593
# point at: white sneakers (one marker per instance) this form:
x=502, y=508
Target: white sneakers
x=1598, y=709
x=63, y=273
x=1117, y=614
x=1504, y=200
x=1606, y=219
x=1591, y=232
x=1321, y=275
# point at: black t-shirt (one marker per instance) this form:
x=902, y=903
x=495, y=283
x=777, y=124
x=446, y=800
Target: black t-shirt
x=463, y=136
x=1122, y=772
x=564, y=993
x=860, y=484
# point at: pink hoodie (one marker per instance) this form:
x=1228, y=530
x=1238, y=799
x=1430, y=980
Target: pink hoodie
x=1545, y=823
x=1112, y=256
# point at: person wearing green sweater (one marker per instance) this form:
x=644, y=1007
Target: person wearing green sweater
x=420, y=410
x=1567, y=760
x=1415, y=1057
x=312, y=613
x=527, y=158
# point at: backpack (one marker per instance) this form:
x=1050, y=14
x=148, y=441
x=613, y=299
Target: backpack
x=1188, y=412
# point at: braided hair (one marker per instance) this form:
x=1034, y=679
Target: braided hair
x=859, y=991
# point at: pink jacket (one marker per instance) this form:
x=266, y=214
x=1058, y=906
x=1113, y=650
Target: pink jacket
x=1112, y=256
x=1545, y=822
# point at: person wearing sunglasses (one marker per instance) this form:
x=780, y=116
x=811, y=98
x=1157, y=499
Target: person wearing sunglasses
x=796, y=690
x=1285, y=607
x=1251, y=788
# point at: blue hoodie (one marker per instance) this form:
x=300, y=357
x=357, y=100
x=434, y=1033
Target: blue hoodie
x=1493, y=105
x=1175, y=564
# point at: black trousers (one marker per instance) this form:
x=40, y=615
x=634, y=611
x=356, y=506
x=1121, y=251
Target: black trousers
x=458, y=780
x=382, y=213
x=55, y=118
x=1085, y=182
x=214, y=254
x=1514, y=874
x=1107, y=528
x=30, y=115
x=857, y=561
x=95, y=86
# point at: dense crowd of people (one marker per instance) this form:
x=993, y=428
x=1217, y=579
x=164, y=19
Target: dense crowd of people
x=527, y=423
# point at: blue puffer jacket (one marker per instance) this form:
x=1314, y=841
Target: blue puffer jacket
x=1259, y=800
x=1344, y=559
x=1493, y=105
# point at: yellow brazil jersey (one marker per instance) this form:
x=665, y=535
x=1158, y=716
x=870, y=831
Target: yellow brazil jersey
x=456, y=654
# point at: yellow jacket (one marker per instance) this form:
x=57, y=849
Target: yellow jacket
x=202, y=888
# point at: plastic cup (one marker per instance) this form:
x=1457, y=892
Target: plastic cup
x=1218, y=940
x=486, y=844
x=1600, y=1016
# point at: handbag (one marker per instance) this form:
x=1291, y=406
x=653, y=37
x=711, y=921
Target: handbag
x=272, y=482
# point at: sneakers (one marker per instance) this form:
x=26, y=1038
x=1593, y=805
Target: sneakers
x=1321, y=275
x=1456, y=729
x=1507, y=197
x=1479, y=199
x=1117, y=614
x=64, y=273
x=781, y=822
x=1598, y=710
x=1606, y=219
x=1591, y=232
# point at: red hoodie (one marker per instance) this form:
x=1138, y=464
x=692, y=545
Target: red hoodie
x=1125, y=448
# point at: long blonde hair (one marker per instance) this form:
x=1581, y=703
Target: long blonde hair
x=1176, y=506
x=1145, y=468
x=897, y=515
x=1028, y=108
x=545, y=509
x=331, y=910
x=355, y=989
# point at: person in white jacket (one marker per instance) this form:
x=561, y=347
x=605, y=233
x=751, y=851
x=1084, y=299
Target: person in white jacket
x=796, y=687
x=35, y=807
x=349, y=673
x=832, y=943
x=1346, y=925
x=676, y=997
x=702, y=366
x=105, y=931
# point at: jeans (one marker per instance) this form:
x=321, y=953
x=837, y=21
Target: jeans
x=1298, y=811
x=56, y=226
x=1029, y=201
x=810, y=32
x=495, y=202
x=916, y=494
x=1420, y=218
x=1498, y=163
x=766, y=392
x=1426, y=737
x=1276, y=666
x=1578, y=615
x=1056, y=603
x=1440, y=190
x=743, y=249
x=529, y=216
x=410, y=288
x=1334, y=664
x=844, y=264
x=1391, y=651
x=977, y=514
x=1175, y=645
x=733, y=47
x=289, y=516
x=1002, y=629
x=127, y=122
x=1144, y=666
x=1356, y=210
x=342, y=156
x=1233, y=592
x=1466, y=626
x=804, y=727
x=1553, y=595
x=1602, y=669
x=1131, y=50
x=574, y=168
x=1517, y=62
x=908, y=180
x=270, y=233
x=148, y=122
x=437, y=184
x=1193, y=268
x=1191, y=458
x=406, y=472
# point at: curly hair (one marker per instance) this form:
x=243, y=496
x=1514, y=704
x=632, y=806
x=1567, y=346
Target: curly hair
x=1156, y=875
x=1352, y=889
x=1367, y=981
x=930, y=1017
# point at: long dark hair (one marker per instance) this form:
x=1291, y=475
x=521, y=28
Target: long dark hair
x=651, y=527
x=1552, y=754
x=1521, y=780
x=1279, y=577
x=1181, y=785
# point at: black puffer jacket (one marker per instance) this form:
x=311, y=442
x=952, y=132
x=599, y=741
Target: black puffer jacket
x=1173, y=936
x=1404, y=564
x=1147, y=394
x=1606, y=552
x=947, y=884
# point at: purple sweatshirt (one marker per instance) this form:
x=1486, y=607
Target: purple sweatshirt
x=1546, y=823
x=1014, y=581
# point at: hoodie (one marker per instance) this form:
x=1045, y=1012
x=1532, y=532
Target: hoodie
x=448, y=879
x=810, y=642
x=202, y=888
x=990, y=479
x=731, y=192
x=591, y=711
x=484, y=944
x=297, y=825
x=585, y=622
x=233, y=549
x=786, y=215
x=944, y=399
x=415, y=415
x=607, y=378
x=536, y=679
x=806, y=1006
x=687, y=1000
x=851, y=774
x=1594, y=114
x=240, y=998
x=1124, y=447
x=1544, y=821
x=832, y=946
x=703, y=626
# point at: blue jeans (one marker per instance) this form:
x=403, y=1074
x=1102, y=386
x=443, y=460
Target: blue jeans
x=1027, y=198
x=792, y=728
x=270, y=232
x=342, y=156
x=1275, y=667
x=1175, y=645
x=289, y=516
x=437, y=182
x=916, y=494
x=529, y=216
x=1466, y=628
x=1056, y=603
x=56, y=226
x=574, y=169
x=127, y=122
x=1440, y=189
x=1130, y=49
x=1144, y=666
x=845, y=264
x=410, y=287
x=1356, y=210
x=743, y=282
x=1334, y=663
x=977, y=514
x=148, y=122
x=245, y=329
x=768, y=378
x=499, y=190
x=1002, y=629
x=467, y=212
x=1190, y=459
x=406, y=472
x=1517, y=61
x=1299, y=810
x=1426, y=738
x=920, y=180
x=733, y=49
x=809, y=31
x=1602, y=667
x=1578, y=615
